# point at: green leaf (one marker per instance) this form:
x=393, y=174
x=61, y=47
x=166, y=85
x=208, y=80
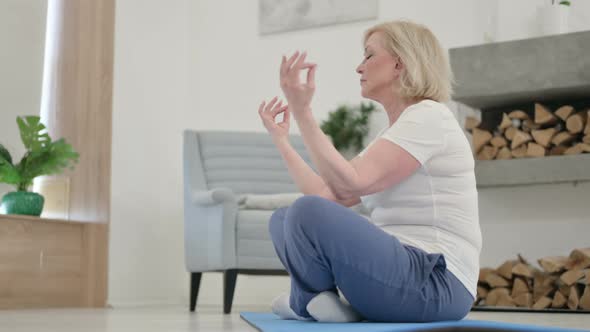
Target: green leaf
x=348, y=126
x=9, y=174
x=30, y=133
x=565, y=3
x=5, y=154
x=53, y=160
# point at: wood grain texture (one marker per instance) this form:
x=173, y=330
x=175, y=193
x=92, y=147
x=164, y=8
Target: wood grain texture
x=78, y=107
x=42, y=263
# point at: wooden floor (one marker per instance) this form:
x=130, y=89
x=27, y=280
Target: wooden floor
x=177, y=319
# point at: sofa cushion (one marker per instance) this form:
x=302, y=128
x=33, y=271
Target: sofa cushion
x=254, y=248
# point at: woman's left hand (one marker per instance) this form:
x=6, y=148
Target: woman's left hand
x=268, y=113
x=298, y=94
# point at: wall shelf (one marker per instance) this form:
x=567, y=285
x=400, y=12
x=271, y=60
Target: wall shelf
x=540, y=69
x=528, y=171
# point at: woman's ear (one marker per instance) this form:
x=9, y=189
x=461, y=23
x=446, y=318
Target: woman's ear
x=398, y=64
x=398, y=68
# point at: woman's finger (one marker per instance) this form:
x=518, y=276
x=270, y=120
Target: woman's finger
x=270, y=105
x=261, y=107
x=283, y=70
x=277, y=109
x=311, y=76
x=286, y=116
x=300, y=61
x=291, y=60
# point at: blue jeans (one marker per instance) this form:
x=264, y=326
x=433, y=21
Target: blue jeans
x=324, y=245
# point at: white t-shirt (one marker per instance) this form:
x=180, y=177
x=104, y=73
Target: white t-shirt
x=436, y=208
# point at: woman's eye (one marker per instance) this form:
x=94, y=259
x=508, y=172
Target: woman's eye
x=368, y=56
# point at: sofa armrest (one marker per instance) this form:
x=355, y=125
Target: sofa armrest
x=213, y=197
x=210, y=230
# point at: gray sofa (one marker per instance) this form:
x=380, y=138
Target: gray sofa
x=219, y=168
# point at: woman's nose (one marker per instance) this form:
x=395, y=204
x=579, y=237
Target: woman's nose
x=359, y=69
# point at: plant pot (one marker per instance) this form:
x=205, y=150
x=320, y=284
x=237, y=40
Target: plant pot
x=23, y=202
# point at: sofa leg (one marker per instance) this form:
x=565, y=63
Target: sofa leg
x=229, y=283
x=195, y=283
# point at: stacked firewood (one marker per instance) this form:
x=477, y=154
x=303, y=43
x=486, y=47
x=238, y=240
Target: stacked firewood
x=565, y=131
x=561, y=282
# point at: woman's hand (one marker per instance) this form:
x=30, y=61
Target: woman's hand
x=298, y=94
x=268, y=113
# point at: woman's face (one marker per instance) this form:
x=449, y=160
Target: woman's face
x=379, y=70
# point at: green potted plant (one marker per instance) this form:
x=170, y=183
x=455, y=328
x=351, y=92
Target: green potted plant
x=348, y=126
x=42, y=157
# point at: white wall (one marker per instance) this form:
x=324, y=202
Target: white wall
x=198, y=64
x=522, y=19
x=22, y=34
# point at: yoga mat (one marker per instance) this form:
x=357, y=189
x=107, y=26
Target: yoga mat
x=268, y=322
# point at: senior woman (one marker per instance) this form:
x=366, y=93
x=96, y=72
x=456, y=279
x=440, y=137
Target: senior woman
x=417, y=258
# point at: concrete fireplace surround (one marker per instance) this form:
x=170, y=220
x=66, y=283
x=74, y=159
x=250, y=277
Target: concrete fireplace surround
x=520, y=71
x=496, y=76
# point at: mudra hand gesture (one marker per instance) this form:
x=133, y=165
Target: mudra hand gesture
x=298, y=94
x=268, y=113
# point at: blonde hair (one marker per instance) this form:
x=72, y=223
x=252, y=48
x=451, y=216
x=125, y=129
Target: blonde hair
x=427, y=71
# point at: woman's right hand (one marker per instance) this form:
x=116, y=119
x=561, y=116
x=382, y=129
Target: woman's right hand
x=268, y=113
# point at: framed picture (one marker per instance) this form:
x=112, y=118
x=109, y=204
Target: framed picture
x=288, y=15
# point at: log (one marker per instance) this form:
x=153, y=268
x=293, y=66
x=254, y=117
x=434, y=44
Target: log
x=543, y=285
x=504, y=153
x=586, y=139
x=482, y=292
x=587, y=278
x=580, y=258
x=505, y=270
x=524, y=300
x=528, y=125
x=480, y=138
x=585, y=299
x=587, y=129
x=564, y=289
x=575, y=124
x=495, y=280
x=520, y=138
x=518, y=114
x=471, y=123
x=553, y=263
x=499, y=141
x=488, y=152
x=544, y=136
x=542, y=303
x=519, y=152
x=564, y=112
x=519, y=287
x=559, y=300
x=562, y=138
x=542, y=291
x=543, y=116
x=483, y=273
x=509, y=133
x=495, y=294
x=522, y=269
x=576, y=149
x=506, y=122
x=571, y=277
x=557, y=150
x=535, y=150
x=574, y=299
